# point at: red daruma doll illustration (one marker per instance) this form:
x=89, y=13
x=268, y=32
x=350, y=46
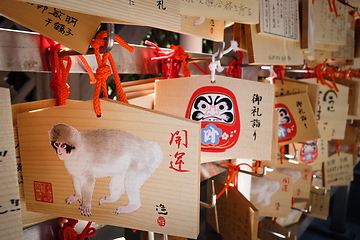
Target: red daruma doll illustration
x=217, y=110
x=287, y=125
x=309, y=153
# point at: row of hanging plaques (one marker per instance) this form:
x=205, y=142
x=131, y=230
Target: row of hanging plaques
x=139, y=168
x=268, y=36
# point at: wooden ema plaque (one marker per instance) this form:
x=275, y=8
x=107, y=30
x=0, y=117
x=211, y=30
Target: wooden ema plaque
x=296, y=119
x=332, y=106
x=279, y=19
x=338, y=170
x=236, y=115
x=163, y=14
x=301, y=174
x=263, y=49
x=234, y=217
x=319, y=203
x=244, y=11
x=271, y=194
x=344, y=51
x=72, y=29
x=312, y=155
x=329, y=28
x=10, y=214
x=307, y=29
x=151, y=166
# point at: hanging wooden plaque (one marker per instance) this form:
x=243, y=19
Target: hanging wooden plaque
x=72, y=29
x=150, y=147
x=271, y=194
x=234, y=217
x=296, y=120
x=301, y=176
x=307, y=29
x=279, y=19
x=241, y=11
x=10, y=214
x=236, y=115
x=329, y=28
x=263, y=49
x=338, y=170
x=207, y=28
x=312, y=155
x=344, y=51
x=332, y=106
x=353, y=99
x=312, y=90
x=163, y=14
x=320, y=203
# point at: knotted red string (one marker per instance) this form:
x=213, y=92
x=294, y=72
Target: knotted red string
x=182, y=56
x=59, y=73
x=234, y=68
x=232, y=175
x=319, y=73
x=67, y=232
x=161, y=55
x=279, y=72
x=104, y=71
x=177, y=58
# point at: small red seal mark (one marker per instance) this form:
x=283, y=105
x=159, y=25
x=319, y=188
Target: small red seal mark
x=43, y=192
x=161, y=221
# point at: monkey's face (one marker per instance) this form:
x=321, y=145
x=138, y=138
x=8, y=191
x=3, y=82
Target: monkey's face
x=60, y=150
x=62, y=139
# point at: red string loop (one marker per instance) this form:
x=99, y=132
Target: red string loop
x=59, y=73
x=104, y=70
x=234, y=68
x=232, y=176
x=279, y=72
x=67, y=232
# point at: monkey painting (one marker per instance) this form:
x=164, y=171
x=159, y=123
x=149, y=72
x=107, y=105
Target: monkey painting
x=265, y=188
x=89, y=154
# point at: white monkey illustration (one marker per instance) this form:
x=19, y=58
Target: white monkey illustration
x=89, y=154
x=265, y=188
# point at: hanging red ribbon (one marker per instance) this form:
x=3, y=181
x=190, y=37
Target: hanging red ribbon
x=234, y=68
x=59, y=73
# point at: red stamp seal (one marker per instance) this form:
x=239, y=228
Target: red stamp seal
x=161, y=221
x=43, y=192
